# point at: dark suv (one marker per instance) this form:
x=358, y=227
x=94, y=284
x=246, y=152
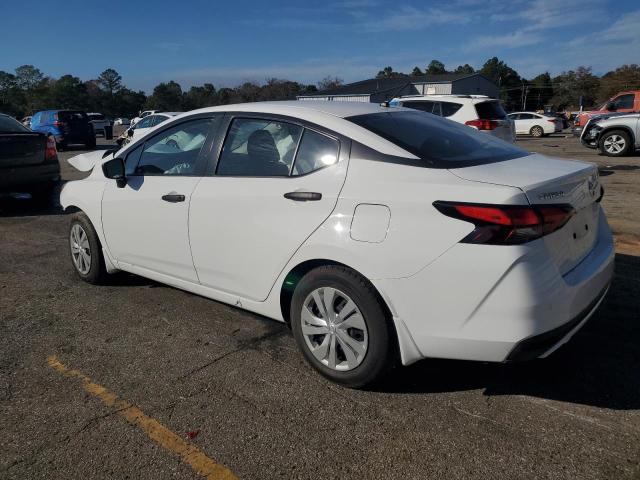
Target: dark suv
x=66, y=126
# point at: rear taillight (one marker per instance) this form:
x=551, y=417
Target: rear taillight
x=507, y=224
x=50, y=151
x=551, y=121
x=483, y=124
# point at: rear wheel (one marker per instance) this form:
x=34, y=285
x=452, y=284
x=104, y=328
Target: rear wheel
x=86, y=252
x=536, y=131
x=615, y=143
x=341, y=326
x=91, y=142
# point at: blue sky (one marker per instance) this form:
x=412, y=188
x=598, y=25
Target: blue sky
x=197, y=41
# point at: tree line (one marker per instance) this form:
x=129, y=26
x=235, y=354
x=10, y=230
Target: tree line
x=569, y=90
x=28, y=89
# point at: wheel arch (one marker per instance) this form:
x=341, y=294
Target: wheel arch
x=624, y=128
x=401, y=337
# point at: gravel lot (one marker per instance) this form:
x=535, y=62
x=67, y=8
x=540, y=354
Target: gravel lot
x=236, y=381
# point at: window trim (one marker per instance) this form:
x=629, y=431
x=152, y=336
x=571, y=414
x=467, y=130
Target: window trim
x=344, y=143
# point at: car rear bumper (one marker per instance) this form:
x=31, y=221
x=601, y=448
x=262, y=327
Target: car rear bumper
x=12, y=179
x=479, y=302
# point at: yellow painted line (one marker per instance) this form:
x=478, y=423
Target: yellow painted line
x=190, y=454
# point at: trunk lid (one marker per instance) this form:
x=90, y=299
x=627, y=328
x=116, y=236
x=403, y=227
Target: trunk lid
x=547, y=180
x=21, y=149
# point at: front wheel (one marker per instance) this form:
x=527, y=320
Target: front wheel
x=342, y=327
x=86, y=252
x=615, y=143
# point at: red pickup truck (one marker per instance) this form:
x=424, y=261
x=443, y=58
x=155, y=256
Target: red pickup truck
x=622, y=102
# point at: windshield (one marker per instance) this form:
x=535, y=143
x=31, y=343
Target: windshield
x=440, y=142
x=11, y=125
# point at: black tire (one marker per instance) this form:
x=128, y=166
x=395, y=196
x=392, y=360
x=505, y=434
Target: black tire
x=380, y=355
x=91, y=143
x=97, y=272
x=536, y=131
x=605, y=147
x=61, y=146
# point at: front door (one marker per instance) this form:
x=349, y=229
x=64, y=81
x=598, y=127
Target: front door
x=275, y=183
x=146, y=222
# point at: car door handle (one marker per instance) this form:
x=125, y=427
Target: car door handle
x=173, y=198
x=303, y=196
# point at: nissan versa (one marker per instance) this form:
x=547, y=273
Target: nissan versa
x=376, y=233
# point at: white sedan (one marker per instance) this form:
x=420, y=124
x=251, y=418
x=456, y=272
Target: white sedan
x=376, y=233
x=534, y=124
x=137, y=130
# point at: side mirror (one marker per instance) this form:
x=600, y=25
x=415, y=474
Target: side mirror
x=114, y=169
x=612, y=107
x=130, y=131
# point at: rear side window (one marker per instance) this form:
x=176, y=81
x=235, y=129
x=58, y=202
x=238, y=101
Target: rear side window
x=423, y=105
x=490, y=111
x=440, y=143
x=259, y=148
x=315, y=151
x=450, y=108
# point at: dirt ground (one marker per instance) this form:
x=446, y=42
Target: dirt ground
x=139, y=380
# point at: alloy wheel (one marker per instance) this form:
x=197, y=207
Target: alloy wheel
x=334, y=329
x=80, y=249
x=614, y=144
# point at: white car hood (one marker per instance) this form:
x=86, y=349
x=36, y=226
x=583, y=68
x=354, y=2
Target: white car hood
x=86, y=161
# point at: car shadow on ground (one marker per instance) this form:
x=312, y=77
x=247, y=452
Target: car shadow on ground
x=600, y=366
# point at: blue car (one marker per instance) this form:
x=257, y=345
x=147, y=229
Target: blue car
x=66, y=126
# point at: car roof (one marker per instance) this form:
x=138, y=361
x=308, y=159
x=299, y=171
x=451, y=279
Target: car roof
x=329, y=114
x=295, y=107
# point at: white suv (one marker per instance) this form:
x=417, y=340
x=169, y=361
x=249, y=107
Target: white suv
x=478, y=111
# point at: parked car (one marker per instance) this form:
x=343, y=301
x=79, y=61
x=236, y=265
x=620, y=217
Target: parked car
x=142, y=115
x=122, y=121
x=477, y=111
x=614, y=135
x=139, y=129
x=623, y=102
x=26, y=121
x=28, y=160
x=372, y=231
x=535, y=124
x=99, y=122
x=66, y=126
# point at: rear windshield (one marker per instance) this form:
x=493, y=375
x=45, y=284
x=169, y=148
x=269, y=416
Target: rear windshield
x=69, y=116
x=95, y=116
x=490, y=111
x=439, y=142
x=11, y=125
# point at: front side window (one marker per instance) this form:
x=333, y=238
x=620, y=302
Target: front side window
x=259, y=148
x=439, y=143
x=624, y=101
x=315, y=152
x=174, y=151
x=146, y=122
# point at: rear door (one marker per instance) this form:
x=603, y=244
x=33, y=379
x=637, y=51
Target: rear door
x=274, y=183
